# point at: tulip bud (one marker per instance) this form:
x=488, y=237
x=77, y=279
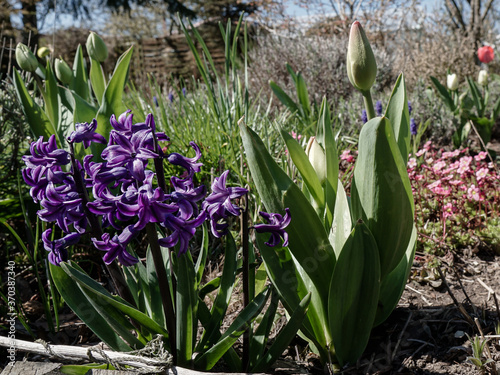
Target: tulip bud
x=42, y=52
x=317, y=158
x=63, y=71
x=482, y=79
x=96, y=48
x=25, y=58
x=361, y=64
x=485, y=54
x=452, y=82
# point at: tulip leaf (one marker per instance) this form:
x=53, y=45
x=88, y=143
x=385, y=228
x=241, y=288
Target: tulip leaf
x=303, y=96
x=444, y=94
x=326, y=139
x=242, y=322
x=39, y=123
x=51, y=98
x=354, y=292
x=305, y=168
x=202, y=256
x=79, y=83
x=342, y=222
x=77, y=301
x=393, y=285
x=308, y=239
x=283, y=97
x=476, y=96
x=397, y=112
x=381, y=193
x=97, y=80
x=284, y=338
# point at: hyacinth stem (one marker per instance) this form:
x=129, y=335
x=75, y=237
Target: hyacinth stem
x=166, y=296
x=370, y=110
x=246, y=284
x=113, y=270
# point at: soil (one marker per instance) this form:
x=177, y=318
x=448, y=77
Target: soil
x=428, y=333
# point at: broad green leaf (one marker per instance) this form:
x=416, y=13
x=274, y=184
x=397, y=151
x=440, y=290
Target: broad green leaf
x=97, y=80
x=496, y=111
x=202, y=256
x=260, y=278
x=397, y=113
x=484, y=127
x=303, y=96
x=284, y=338
x=305, y=168
x=308, y=240
x=77, y=301
x=381, y=192
x=51, y=97
x=39, y=123
x=354, y=292
x=283, y=97
x=112, y=103
x=242, y=322
x=84, y=369
x=342, y=222
x=291, y=72
x=326, y=139
x=223, y=296
x=476, y=96
x=392, y=287
x=444, y=94
x=80, y=81
x=185, y=309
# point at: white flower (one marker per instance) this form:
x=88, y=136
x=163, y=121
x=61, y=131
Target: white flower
x=452, y=82
x=482, y=78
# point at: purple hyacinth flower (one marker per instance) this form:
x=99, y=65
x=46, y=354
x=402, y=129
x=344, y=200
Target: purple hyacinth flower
x=364, y=116
x=155, y=101
x=413, y=127
x=123, y=124
x=182, y=228
x=171, y=97
x=190, y=164
x=410, y=108
x=276, y=226
x=116, y=247
x=58, y=249
x=378, y=108
x=184, y=91
x=219, y=204
x=46, y=154
x=85, y=133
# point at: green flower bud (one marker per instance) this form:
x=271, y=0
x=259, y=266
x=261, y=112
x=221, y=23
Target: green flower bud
x=63, y=71
x=42, y=52
x=25, y=58
x=317, y=158
x=361, y=64
x=96, y=48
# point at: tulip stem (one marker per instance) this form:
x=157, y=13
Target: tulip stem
x=370, y=110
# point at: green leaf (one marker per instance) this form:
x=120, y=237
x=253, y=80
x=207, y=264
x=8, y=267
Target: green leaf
x=39, y=123
x=305, y=168
x=242, y=322
x=393, y=285
x=223, y=296
x=496, y=111
x=444, y=94
x=84, y=369
x=51, y=97
x=284, y=338
x=303, y=96
x=260, y=278
x=80, y=81
x=381, y=192
x=202, y=256
x=354, y=292
x=97, y=80
x=185, y=309
x=283, y=97
x=477, y=97
x=326, y=139
x=397, y=112
x=342, y=222
x=77, y=301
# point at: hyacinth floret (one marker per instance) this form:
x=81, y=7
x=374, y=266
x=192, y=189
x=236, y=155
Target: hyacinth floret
x=276, y=225
x=58, y=249
x=85, y=133
x=116, y=246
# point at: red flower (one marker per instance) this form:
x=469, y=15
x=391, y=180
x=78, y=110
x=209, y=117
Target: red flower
x=485, y=54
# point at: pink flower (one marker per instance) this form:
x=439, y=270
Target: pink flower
x=419, y=177
x=438, y=166
x=448, y=210
x=427, y=145
x=482, y=173
x=473, y=193
x=456, y=182
x=481, y=156
x=434, y=185
x=296, y=136
x=450, y=154
x=485, y=54
x=420, y=153
x=412, y=163
x=441, y=191
x=346, y=155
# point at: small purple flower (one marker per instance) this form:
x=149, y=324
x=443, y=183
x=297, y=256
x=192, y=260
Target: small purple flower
x=364, y=116
x=276, y=226
x=46, y=154
x=85, y=133
x=219, y=204
x=171, y=97
x=190, y=164
x=184, y=91
x=413, y=127
x=116, y=247
x=410, y=108
x=123, y=124
x=155, y=101
x=378, y=108
x=58, y=249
